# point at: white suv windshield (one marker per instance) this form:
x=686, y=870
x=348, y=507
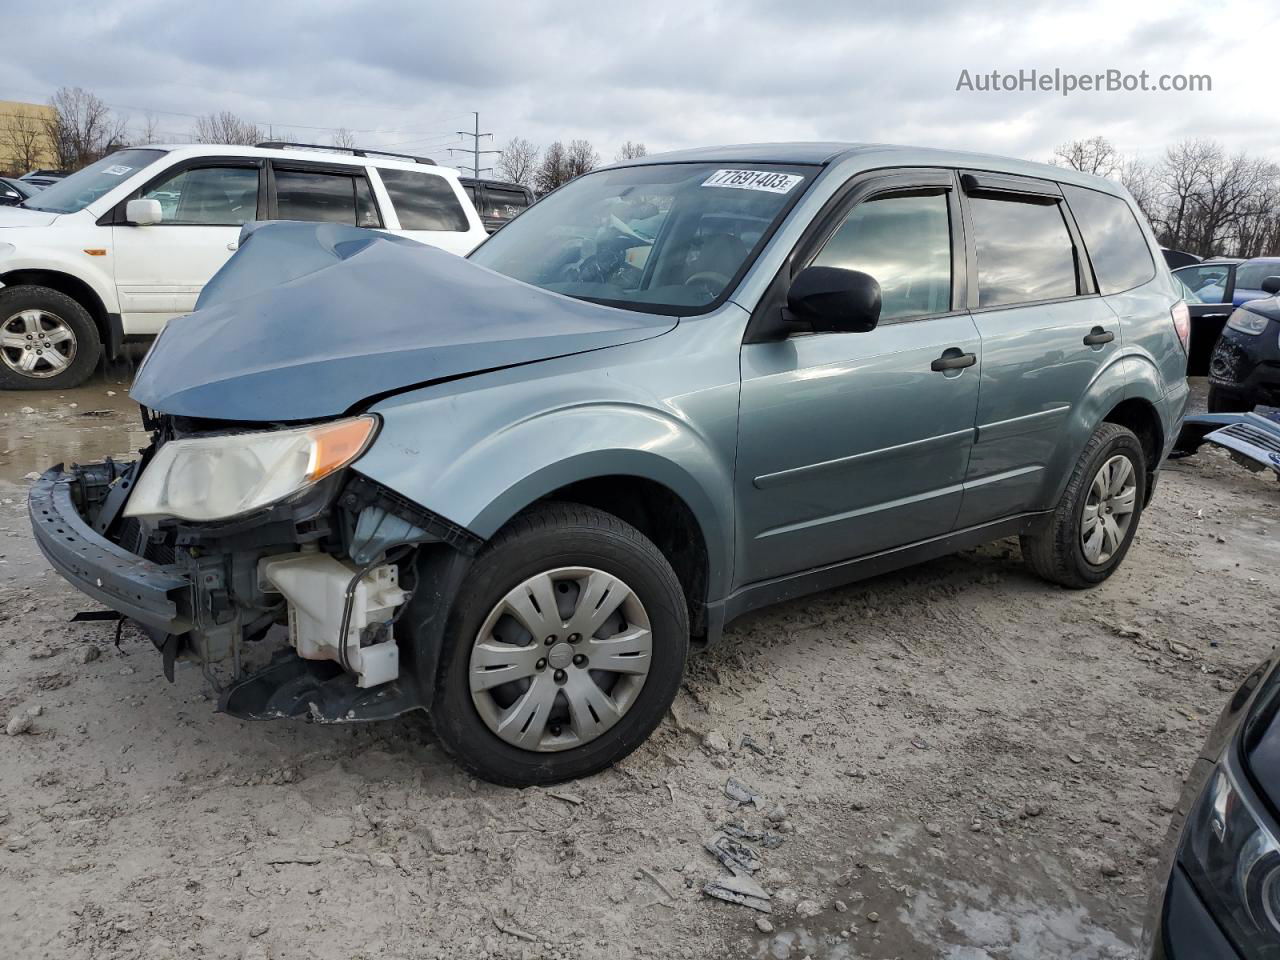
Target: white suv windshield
x=85, y=186
x=663, y=238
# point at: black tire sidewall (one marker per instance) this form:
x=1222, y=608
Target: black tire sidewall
x=1226, y=400
x=1126, y=443
x=88, y=342
x=547, y=547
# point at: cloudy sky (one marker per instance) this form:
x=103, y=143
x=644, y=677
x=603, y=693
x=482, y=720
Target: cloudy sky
x=670, y=73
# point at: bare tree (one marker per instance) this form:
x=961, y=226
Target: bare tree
x=1095, y=155
x=630, y=151
x=26, y=141
x=226, y=127
x=1139, y=180
x=148, y=131
x=82, y=128
x=580, y=158
x=342, y=137
x=554, y=169
x=518, y=161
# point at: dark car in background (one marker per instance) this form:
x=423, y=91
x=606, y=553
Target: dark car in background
x=1219, y=878
x=13, y=192
x=1244, y=370
x=497, y=201
x=1178, y=258
x=44, y=178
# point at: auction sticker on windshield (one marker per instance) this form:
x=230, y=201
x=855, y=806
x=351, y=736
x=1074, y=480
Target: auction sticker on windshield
x=765, y=180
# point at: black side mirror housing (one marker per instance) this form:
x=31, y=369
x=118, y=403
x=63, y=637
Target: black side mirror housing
x=1271, y=285
x=834, y=300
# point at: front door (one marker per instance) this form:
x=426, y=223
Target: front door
x=161, y=268
x=853, y=443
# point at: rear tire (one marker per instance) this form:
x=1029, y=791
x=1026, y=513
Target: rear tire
x=1060, y=552
x=591, y=717
x=1222, y=400
x=48, y=341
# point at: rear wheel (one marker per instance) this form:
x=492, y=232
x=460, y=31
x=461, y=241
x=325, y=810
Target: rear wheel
x=48, y=341
x=1094, y=523
x=1222, y=400
x=565, y=648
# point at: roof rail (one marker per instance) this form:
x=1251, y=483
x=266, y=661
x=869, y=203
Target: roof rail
x=354, y=151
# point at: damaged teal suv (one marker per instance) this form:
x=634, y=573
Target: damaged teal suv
x=512, y=490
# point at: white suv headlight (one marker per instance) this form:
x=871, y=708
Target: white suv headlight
x=214, y=478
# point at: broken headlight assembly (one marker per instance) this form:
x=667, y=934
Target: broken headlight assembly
x=216, y=478
x=1234, y=862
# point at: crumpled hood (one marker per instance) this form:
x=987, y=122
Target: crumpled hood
x=308, y=320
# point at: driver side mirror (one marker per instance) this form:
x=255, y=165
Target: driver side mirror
x=142, y=213
x=835, y=300
x=1271, y=285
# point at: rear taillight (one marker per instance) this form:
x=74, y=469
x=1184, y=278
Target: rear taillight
x=1182, y=323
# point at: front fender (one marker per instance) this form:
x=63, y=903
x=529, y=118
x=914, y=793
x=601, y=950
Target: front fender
x=484, y=484
x=93, y=272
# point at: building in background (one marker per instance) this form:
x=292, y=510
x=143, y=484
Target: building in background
x=24, y=141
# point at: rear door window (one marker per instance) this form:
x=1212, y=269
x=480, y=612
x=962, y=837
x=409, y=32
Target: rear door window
x=504, y=202
x=1116, y=244
x=1024, y=249
x=424, y=201
x=325, y=196
x=1208, y=281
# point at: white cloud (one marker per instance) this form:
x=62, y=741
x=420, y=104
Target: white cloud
x=671, y=74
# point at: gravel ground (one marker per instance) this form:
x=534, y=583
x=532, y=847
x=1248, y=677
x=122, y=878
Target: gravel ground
x=954, y=761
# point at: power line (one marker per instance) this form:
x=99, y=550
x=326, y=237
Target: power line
x=475, y=150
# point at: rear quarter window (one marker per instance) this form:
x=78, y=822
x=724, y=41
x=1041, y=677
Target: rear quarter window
x=424, y=201
x=1117, y=246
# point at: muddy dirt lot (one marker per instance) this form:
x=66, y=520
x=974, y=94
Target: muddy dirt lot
x=957, y=761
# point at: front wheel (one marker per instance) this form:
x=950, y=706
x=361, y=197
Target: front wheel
x=1222, y=400
x=565, y=648
x=1092, y=527
x=48, y=341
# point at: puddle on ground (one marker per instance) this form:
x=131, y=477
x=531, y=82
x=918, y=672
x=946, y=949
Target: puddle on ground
x=41, y=428
x=952, y=905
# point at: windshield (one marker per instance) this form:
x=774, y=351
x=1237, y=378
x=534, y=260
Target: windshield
x=666, y=238
x=77, y=191
x=1249, y=276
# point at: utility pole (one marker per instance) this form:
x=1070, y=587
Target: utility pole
x=475, y=150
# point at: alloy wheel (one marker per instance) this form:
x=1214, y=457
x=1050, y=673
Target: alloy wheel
x=1108, y=511
x=560, y=659
x=36, y=343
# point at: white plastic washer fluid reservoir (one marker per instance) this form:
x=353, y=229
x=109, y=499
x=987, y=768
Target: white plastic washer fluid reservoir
x=315, y=586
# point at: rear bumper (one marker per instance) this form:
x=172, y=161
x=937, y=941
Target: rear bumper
x=155, y=595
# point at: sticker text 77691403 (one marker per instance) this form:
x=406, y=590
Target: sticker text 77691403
x=767, y=180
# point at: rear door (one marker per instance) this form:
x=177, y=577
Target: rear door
x=1046, y=334
x=853, y=443
x=1210, y=286
x=161, y=268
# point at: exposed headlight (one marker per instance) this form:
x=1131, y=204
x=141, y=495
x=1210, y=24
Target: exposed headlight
x=1246, y=321
x=213, y=478
x=1234, y=862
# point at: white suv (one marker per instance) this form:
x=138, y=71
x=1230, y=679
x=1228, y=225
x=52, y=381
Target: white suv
x=114, y=251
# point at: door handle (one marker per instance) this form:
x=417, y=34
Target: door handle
x=1098, y=336
x=953, y=361
x=233, y=245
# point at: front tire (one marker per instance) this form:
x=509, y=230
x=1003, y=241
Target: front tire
x=564, y=650
x=1092, y=527
x=1222, y=400
x=48, y=341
